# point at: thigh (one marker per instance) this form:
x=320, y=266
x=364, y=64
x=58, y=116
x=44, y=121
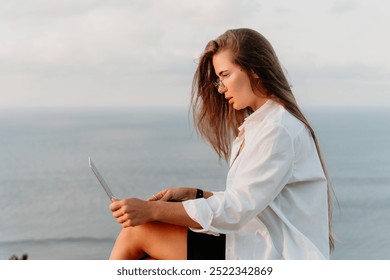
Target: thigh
x=165, y=241
x=158, y=240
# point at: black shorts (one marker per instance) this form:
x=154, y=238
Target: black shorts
x=201, y=246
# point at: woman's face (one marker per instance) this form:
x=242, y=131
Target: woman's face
x=236, y=84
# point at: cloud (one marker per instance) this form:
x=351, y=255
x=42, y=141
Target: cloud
x=94, y=52
x=125, y=53
x=344, y=6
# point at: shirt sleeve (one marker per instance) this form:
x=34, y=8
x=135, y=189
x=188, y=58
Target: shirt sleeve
x=262, y=172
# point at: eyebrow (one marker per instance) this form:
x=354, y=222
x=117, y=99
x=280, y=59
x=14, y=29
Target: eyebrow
x=221, y=72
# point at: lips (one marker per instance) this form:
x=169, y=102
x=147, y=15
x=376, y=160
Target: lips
x=229, y=99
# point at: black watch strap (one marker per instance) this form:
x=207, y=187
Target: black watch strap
x=199, y=193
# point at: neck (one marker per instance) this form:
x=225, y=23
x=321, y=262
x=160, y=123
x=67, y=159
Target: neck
x=259, y=102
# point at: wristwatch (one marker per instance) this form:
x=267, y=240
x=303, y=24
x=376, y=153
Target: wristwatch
x=199, y=193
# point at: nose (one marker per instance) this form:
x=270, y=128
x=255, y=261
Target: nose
x=222, y=89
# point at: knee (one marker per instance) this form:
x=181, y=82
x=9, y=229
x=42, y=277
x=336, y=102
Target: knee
x=129, y=244
x=136, y=234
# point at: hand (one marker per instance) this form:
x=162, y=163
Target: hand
x=131, y=212
x=174, y=194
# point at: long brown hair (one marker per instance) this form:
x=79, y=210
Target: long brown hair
x=216, y=120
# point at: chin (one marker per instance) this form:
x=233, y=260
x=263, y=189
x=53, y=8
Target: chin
x=236, y=107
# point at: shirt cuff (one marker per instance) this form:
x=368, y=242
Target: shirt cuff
x=202, y=212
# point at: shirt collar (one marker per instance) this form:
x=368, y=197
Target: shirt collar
x=258, y=115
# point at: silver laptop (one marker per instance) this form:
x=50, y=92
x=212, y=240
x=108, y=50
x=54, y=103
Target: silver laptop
x=101, y=180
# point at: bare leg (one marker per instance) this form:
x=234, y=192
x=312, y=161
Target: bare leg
x=156, y=240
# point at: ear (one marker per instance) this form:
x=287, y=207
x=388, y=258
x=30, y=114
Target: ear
x=254, y=75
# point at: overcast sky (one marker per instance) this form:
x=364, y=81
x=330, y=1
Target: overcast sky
x=143, y=53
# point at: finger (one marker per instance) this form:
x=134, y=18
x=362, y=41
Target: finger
x=126, y=224
x=118, y=213
x=117, y=204
x=153, y=198
x=157, y=196
x=114, y=206
x=122, y=219
x=167, y=196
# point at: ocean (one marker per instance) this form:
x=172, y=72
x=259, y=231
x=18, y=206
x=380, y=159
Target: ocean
x=52, y=206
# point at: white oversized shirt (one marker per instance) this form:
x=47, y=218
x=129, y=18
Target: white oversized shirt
x=275, y=203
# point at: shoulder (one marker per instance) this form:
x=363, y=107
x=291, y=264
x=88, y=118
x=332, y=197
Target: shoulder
x=279, y=130
x=273, y=124
x=283, y=120
x=291, y=132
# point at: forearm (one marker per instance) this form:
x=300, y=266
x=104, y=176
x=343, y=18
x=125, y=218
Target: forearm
x=172, y=213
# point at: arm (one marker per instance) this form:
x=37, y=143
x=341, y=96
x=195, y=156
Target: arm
x=178, y=194
x=133, y=211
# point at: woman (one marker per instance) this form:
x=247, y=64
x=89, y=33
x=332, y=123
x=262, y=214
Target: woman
x=277, y=199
